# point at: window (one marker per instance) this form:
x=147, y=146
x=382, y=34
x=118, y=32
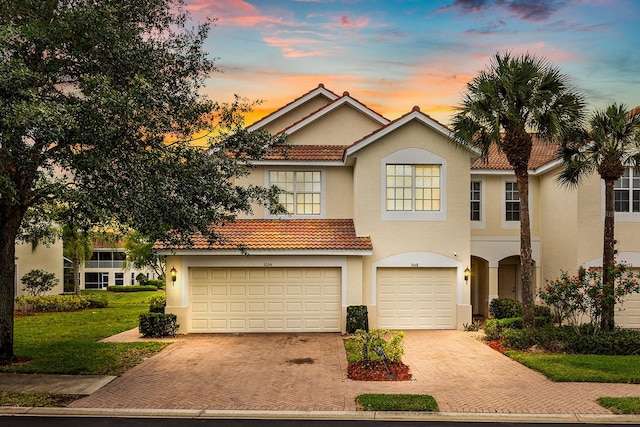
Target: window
x=96, y=280
x=413, y=187
x=106, y=259
x=476, y=187
x=301, y=191
x=119, y=279
x=512, y=202
x=627, y=191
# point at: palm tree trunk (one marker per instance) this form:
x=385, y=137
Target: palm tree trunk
x=526, y=260
x=76, y=274
x=607, y=321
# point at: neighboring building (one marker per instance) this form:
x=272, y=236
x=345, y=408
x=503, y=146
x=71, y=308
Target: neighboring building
x=44, y=257
x=106, y=267
x=387, y=214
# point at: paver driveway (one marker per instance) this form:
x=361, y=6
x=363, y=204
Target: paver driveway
x=307, y=372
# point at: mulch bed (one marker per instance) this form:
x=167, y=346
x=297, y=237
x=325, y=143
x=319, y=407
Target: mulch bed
x=376, y=371
x=497, y=345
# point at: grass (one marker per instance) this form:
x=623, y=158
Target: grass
x=36, y=400
x=582, y=367
x=68, y=343
x=621, y=405
x=397, y=402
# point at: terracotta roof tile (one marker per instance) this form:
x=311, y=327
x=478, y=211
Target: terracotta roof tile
x=307, y=152
x=285, y=234
x=542, y=153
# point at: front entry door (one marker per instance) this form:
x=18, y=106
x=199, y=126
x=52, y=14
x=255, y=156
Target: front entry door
x=508, y=281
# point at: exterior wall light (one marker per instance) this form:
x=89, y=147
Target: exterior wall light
x=174, y=274
x=467, y=274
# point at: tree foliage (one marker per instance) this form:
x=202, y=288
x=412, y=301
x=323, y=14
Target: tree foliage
x=98, y=99
x=515, y=96
x=140, y=254
x=608, y=147
x=38, y=282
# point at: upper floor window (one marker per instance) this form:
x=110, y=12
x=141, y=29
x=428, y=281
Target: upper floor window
x=106, y=259
x=301, y=190
x=412, y=187
x=476, y=194
x=512, y=201
x=627, y=191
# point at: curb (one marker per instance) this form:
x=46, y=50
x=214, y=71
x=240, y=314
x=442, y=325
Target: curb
x=318, y=415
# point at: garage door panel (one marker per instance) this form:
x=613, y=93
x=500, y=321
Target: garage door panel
x=262, y=300
x=416, y=298
x=629, y=316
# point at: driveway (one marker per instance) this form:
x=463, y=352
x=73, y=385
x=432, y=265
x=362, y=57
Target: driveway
x=307, y=372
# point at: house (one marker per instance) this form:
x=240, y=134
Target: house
x=384, y=213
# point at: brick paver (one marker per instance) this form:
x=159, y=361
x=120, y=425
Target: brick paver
x=307, y=372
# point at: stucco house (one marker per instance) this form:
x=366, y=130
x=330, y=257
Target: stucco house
x=384, y=213
x=47, y=257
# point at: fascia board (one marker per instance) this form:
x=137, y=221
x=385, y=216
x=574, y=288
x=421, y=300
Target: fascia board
x=295, y=104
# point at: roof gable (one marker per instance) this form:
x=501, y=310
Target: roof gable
x=344, y=100
x=319, y=91
x=414, y=114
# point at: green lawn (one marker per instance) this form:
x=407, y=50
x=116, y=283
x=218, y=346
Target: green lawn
x=397, y=402
x=68, y=343
x=582, y=367
x=621, y=405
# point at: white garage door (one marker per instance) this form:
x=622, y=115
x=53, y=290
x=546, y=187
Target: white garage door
x=416, y=298
x=629, y=316
x=264, y=299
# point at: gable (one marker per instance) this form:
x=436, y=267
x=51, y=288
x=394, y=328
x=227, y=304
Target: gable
x=340, y=126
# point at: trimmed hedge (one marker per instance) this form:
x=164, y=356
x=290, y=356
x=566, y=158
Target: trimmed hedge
x=135, y=288
x=157, y=303
x=155, y=282
x=50, y=303
x=357, y=318
x=505, y=308
x=158, y=325
x=494, y=328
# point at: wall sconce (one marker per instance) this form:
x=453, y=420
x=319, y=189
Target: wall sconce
x=467, y=274
x=174, y=274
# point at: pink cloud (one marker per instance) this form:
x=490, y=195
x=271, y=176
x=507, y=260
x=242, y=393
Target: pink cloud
x=347, y=22
x=290, y=46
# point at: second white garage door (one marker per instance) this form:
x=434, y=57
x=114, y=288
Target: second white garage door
x=629, y=316
x=264, y=299
x=416, y=298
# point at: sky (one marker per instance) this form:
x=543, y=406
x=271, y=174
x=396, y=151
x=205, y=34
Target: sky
x=392, y=55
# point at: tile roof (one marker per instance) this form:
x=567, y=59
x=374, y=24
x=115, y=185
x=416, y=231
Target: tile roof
x=283, y=234
x=307, y=152
x=542, y=153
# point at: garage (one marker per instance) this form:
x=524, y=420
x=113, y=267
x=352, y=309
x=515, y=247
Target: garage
x=629, y=316
x=416, y=298
x=264, y=299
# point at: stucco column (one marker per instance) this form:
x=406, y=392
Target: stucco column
x=176, y=292
x=493, y=285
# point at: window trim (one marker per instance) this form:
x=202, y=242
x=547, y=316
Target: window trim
x=618, y=216
x=481, y=224
x=413, y=156
x=511, y=225
x=323, y=192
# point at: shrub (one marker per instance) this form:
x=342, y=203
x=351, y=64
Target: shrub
x=357, y=318
x=390, y=342
x=136, y=288
x=584, y=294
x=38, y=282
x=142, y=279
x=97, y=301
x=158, y=325
x=50, y=303
x=157, y=283
x=503, y=308
x=157, y=303
x=543, y=314
x=615, y=342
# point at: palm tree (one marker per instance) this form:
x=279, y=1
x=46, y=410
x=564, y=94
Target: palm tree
x=77, y=246
x=517, y=95
x=612, y=144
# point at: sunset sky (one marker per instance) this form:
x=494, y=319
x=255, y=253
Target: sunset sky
x=394, y=54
